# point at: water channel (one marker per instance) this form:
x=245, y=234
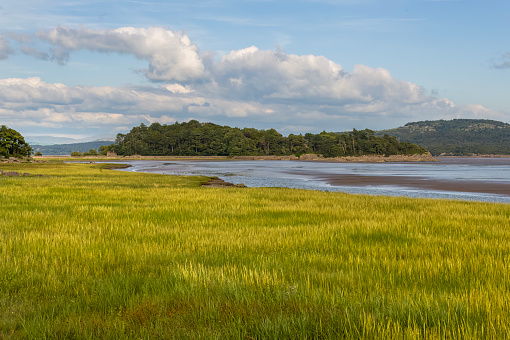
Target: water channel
x=479, y=179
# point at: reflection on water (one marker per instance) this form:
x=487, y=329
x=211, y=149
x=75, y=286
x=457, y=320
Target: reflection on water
x=305, y=175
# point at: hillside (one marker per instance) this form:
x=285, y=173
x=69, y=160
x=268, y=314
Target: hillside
x=66, y=149
x=459, y=137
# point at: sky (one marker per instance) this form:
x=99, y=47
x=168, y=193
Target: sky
x=84, y=70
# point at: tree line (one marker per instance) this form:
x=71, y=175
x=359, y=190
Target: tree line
x=207, y=139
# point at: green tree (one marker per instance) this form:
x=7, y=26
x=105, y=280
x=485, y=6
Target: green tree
x=208, y=139
x=12, y=143
x=91, y=152
x=272, y=142
x=296, y=144
x=104, y=149
x=238, y=144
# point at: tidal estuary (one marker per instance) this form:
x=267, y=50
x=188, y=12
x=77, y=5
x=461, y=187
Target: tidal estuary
x=479, y=179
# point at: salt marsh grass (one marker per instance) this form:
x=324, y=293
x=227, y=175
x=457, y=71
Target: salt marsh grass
x=91, y=253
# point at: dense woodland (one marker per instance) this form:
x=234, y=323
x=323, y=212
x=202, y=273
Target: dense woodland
x=207, y=139
x=458, y=137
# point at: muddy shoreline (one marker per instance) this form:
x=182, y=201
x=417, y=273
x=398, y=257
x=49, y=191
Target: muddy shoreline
x=417, y=182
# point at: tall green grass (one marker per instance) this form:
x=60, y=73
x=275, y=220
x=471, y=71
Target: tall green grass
x=91, y=253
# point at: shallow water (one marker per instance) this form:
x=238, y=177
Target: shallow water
x=310, y=175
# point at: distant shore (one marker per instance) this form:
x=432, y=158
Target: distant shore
x=306, y=157
x=348, y=159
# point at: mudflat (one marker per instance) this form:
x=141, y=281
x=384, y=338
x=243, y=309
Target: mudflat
x=417, y=182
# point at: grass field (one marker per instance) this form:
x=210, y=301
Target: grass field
x=90, y=253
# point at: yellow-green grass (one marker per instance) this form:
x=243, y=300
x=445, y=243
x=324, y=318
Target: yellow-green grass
x=92, y=253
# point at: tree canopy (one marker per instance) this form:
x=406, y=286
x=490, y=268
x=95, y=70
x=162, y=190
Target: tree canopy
x=207, y=139
x=12, y=143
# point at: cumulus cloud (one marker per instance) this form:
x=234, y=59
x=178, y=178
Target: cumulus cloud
x=33, y=102
x=171, y=55
x=58, y=105
x=25, y=93
x=277, y=77
x=247, y=75
x=231, y=109
x=246, y=87
x=178, y=88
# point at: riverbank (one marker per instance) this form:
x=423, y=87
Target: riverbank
x=371, y=158
x=305, y=157
x=348, y=159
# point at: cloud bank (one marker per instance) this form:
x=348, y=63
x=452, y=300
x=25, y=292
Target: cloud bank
x=246, y=87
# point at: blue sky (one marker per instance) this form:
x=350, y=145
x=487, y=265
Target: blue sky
x=91, y=69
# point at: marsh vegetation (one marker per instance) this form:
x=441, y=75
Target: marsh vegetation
x=92, y=253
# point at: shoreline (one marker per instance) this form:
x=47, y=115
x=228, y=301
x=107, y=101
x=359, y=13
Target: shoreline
x=422, y=183
x=482, y=186
x=417, y=180
x=302, y=158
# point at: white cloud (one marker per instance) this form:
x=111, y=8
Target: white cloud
x=32, y=102
x=171, y=55
x=59, y=106
x=276, y=77
x=162, y=120
x=248, y=87
x=244, y=76
x=178, y=88
x=231, y=109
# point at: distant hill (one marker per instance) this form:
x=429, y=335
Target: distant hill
x=66, y=149
x=459, y=137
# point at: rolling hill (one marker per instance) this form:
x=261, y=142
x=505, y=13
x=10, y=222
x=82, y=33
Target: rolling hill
x=458, y=137
x=66, y=149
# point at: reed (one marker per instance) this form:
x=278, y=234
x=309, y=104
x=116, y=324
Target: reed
x=91, y=253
